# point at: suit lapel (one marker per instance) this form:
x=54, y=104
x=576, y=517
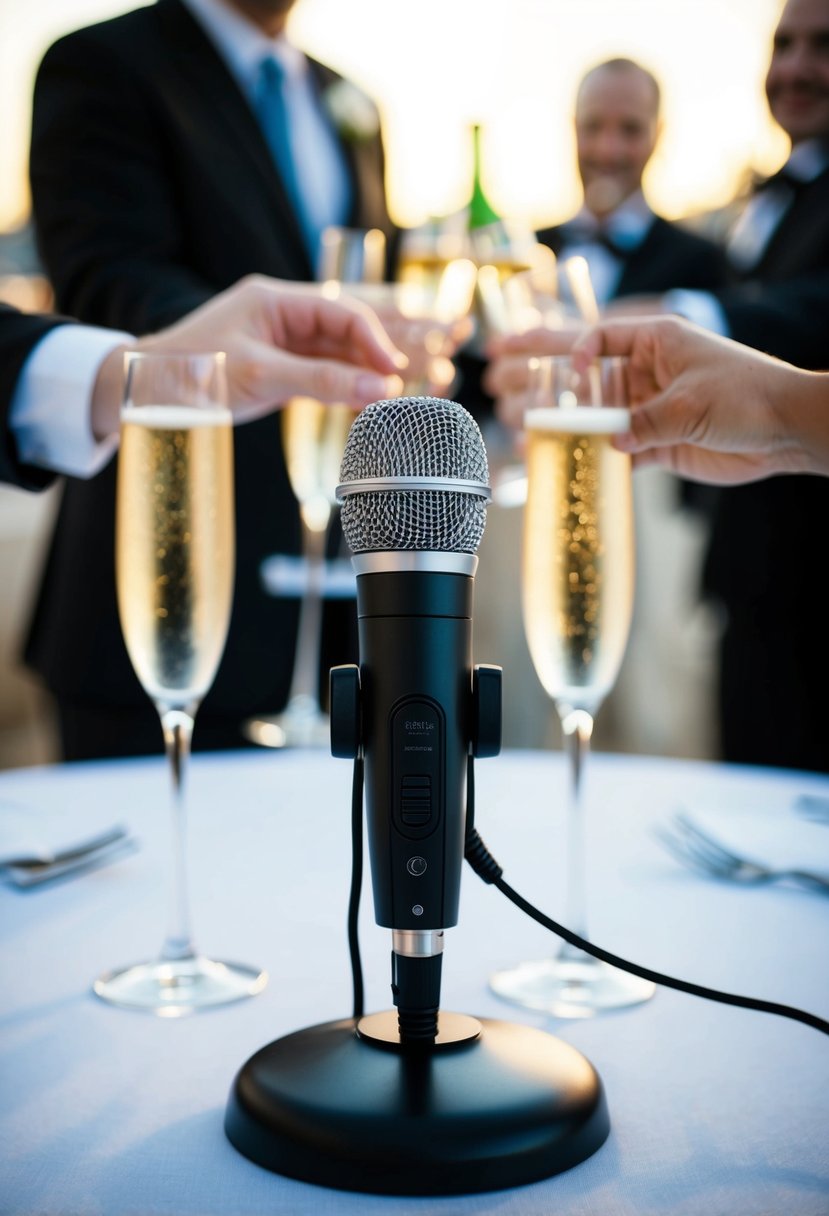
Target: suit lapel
x=213, y=101
x=364, y=162
x=637, y=269
x=792, y=248
x=323, y=77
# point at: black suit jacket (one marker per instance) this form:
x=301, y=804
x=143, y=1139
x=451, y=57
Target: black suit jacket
x=767, y=544
x=669, y=256
x=153, y=188
x=764, y=535
x=782, y=304
x=19, y=335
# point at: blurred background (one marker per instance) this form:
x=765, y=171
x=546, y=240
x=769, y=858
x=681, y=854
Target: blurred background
x=434, y=67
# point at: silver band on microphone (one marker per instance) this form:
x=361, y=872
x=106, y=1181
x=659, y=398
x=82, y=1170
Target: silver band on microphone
x=419, y=561
x=383, y=485
x=417, y=943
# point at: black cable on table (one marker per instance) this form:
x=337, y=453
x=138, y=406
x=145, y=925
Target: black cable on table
x=487, y=868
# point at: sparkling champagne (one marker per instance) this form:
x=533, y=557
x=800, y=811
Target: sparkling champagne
x=175, y=546
x=508, y=265
x=578, y=557
x=422, y=270
x=314, y=436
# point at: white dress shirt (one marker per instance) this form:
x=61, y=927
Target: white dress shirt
x=50, y=410
x=751, y=235
x=321, y=173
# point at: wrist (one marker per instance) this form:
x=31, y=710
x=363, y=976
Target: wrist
x=802, y=405
x=105, y=407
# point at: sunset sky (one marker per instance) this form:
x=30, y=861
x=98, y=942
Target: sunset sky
x=435, y=66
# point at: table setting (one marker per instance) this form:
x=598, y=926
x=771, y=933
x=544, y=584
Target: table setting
x=584, y=1085
x=712, y=1109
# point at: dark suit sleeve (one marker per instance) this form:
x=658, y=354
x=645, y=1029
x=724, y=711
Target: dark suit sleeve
x=109, y=234
x=789, y=319
x=19, y=335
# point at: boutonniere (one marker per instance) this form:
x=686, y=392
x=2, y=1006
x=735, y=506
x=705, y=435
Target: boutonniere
x=352, y=111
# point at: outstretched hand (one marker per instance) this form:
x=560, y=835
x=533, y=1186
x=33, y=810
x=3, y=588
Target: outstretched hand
x=281, y=340
x=284, y=339
x=704, y=406
x=708, y=408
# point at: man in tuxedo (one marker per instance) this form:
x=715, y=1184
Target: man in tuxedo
x=766, y=545
x=628, y=248
x=763, y=558
x=176, y=149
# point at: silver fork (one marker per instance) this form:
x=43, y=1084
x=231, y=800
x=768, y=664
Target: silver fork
x=30, y=869
x=696, y=848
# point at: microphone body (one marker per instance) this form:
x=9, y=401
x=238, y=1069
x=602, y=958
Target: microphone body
x=414, y=487
x=415, y=634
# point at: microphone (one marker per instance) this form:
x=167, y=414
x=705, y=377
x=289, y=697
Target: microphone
x=414, y=488
x=398, y=1105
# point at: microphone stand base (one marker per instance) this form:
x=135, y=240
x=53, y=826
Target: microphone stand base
x=327, y=1105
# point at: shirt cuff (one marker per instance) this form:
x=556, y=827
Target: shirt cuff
x=700, y=307
x=50, y=408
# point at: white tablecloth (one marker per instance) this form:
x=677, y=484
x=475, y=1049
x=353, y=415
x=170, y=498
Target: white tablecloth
x=713, y=1110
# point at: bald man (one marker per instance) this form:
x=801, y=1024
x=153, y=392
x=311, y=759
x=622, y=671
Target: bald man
x=630, y=250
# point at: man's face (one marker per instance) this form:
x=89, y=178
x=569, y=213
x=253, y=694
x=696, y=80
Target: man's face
x=270, y=14
x=616, y=129
x=797, y=84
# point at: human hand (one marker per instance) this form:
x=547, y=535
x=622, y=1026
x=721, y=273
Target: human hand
x=281, y=340
x=704, y=406
x=507, y=375
x=429, y=344
x=634, y=306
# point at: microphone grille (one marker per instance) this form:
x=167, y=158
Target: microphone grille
x=414, y=437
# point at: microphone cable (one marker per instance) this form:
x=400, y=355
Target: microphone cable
x=487, y=868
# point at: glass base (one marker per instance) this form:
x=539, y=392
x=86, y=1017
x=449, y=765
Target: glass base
x=175, y=988
x=571, y=987
x=302, y=724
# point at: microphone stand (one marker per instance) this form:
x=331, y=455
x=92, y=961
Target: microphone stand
x=421, y=1102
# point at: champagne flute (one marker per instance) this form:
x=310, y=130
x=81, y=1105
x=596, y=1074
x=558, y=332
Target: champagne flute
x=503, y=252
x=577, y=592
x=174, y=570
x=313, y=438
x=425, y=254
x=429, y=318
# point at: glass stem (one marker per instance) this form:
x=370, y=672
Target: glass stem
x=305, y=678
x=178, y=732
x=577, y=726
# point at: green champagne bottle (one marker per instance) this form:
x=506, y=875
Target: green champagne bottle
x=481, y=212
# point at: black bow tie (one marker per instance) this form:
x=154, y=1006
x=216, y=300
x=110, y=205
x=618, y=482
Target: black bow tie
x=583, y=234
x=783, y=179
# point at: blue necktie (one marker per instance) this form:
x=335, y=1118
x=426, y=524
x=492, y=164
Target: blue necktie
x=272, y=112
